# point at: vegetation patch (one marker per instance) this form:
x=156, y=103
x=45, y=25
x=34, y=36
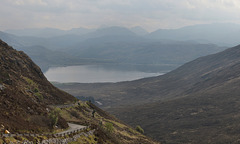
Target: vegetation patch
x=120, y=125
x=86, y=140
x=139, y=129
x=54, y=117
x=3, y=76
x=109, y=127
x=33, y=88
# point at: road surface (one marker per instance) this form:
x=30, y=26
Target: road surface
x=72, y=128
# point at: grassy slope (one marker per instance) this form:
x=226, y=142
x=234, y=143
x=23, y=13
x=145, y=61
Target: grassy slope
x=206, y=111
x=121, y=134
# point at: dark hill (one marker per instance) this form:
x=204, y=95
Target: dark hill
x=206, y=104
x=25, y=92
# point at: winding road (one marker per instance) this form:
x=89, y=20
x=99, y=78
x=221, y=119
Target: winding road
x=72, y=128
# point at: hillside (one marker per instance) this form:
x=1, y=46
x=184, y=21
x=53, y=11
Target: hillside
x=30, y=104
x=205, y=108
x=25, y=90
x=108, y=129
x=196, y=103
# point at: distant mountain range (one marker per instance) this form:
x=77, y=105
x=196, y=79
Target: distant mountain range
x=53, y=32
x=225, y=34
x=165, y=49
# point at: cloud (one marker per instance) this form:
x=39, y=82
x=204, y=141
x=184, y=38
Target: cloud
x=215, y=10
x=151, y=14
x=27, y=2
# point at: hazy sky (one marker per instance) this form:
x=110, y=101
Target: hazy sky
x=149, y=14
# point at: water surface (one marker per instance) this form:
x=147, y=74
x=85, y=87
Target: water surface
x=93, y=74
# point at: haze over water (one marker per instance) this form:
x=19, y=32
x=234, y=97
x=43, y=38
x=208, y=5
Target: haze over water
x=93, y=74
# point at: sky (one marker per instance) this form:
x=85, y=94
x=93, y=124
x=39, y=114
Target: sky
x=149, y=14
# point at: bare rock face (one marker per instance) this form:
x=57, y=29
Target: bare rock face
x=2, y=87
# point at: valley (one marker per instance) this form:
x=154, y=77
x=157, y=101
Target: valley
x=177, y=90
x=120, y=72
x=196, y=103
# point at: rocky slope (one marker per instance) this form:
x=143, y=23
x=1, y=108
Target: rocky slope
x=25, y=92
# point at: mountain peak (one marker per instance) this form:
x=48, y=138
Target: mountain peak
x=114, y=30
